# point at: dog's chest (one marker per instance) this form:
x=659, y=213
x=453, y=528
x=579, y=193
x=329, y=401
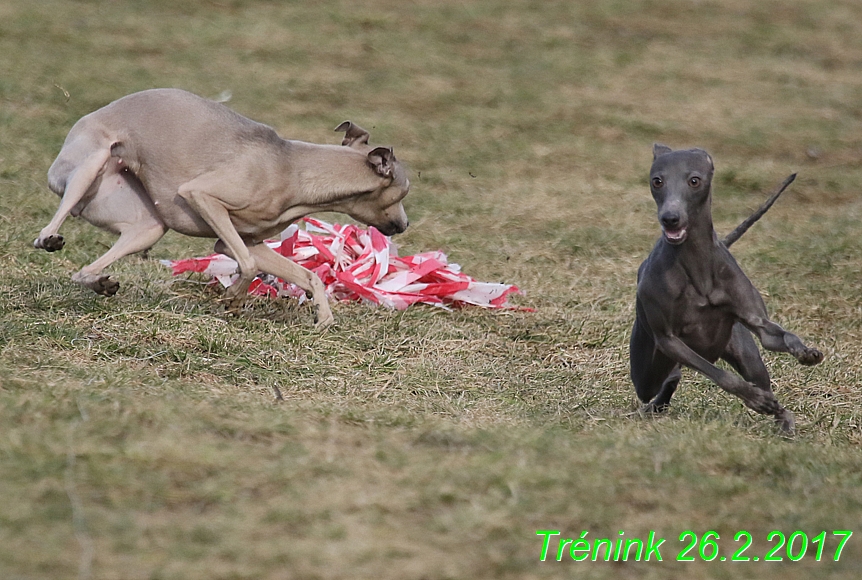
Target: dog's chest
x=704, y=321
x=706, y=297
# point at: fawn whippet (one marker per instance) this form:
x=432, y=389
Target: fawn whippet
x=167, y=159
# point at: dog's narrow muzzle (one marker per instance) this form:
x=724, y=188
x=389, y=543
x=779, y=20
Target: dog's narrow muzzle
x=393, y=228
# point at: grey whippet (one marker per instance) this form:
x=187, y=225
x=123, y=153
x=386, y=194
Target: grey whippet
x=167, y=159
x=695, y=304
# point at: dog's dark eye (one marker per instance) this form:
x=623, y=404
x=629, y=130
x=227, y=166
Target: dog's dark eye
x=694, y=181
x=657, y=182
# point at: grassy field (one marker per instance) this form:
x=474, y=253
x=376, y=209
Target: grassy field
x=140, y=437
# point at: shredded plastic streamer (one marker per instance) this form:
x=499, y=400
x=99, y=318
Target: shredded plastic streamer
x=356, y=264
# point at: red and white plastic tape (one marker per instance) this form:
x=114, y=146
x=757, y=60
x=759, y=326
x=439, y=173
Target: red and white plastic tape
x=359, y=264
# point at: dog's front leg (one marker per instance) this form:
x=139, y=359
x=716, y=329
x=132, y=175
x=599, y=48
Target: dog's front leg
x=751, y=311
x=274, y=263
x=754, y=398
x=776, y=339
x=217, y=217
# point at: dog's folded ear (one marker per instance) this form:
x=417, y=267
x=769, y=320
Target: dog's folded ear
x=382, y=160
x=353, y=134
x=658, y=150
x=706, y=155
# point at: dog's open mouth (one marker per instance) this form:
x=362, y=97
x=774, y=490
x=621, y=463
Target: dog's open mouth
x=675, y=236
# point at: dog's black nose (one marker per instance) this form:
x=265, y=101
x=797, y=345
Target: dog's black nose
x=393, y=228
x=670, y=220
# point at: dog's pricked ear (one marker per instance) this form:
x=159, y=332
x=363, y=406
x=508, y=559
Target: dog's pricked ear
x=353, y=134
x=658, y=150
x=382, y=160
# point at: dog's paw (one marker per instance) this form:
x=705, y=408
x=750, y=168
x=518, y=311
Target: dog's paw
x=101, y=284
x=235, y=297
x=232, y=306
x=106, y=286
x=50, y=243
x=763, y=402
x=653, y=408
x=786, y=423
x=322, y=321
x=810, y=357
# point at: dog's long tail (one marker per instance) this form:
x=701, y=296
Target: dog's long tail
x=743, y=227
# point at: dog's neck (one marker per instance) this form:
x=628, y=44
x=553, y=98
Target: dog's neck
x=697, y=254
x=326, y=174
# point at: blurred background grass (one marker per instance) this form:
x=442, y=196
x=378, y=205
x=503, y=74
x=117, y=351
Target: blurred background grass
x=140, y=437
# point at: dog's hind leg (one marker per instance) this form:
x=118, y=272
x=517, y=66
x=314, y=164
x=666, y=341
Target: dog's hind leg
x=662, y=401
x=744, y=356
x=271, y=262
x=654, y=375
x=121, y=206
x=137, y=238
x=80, y=182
